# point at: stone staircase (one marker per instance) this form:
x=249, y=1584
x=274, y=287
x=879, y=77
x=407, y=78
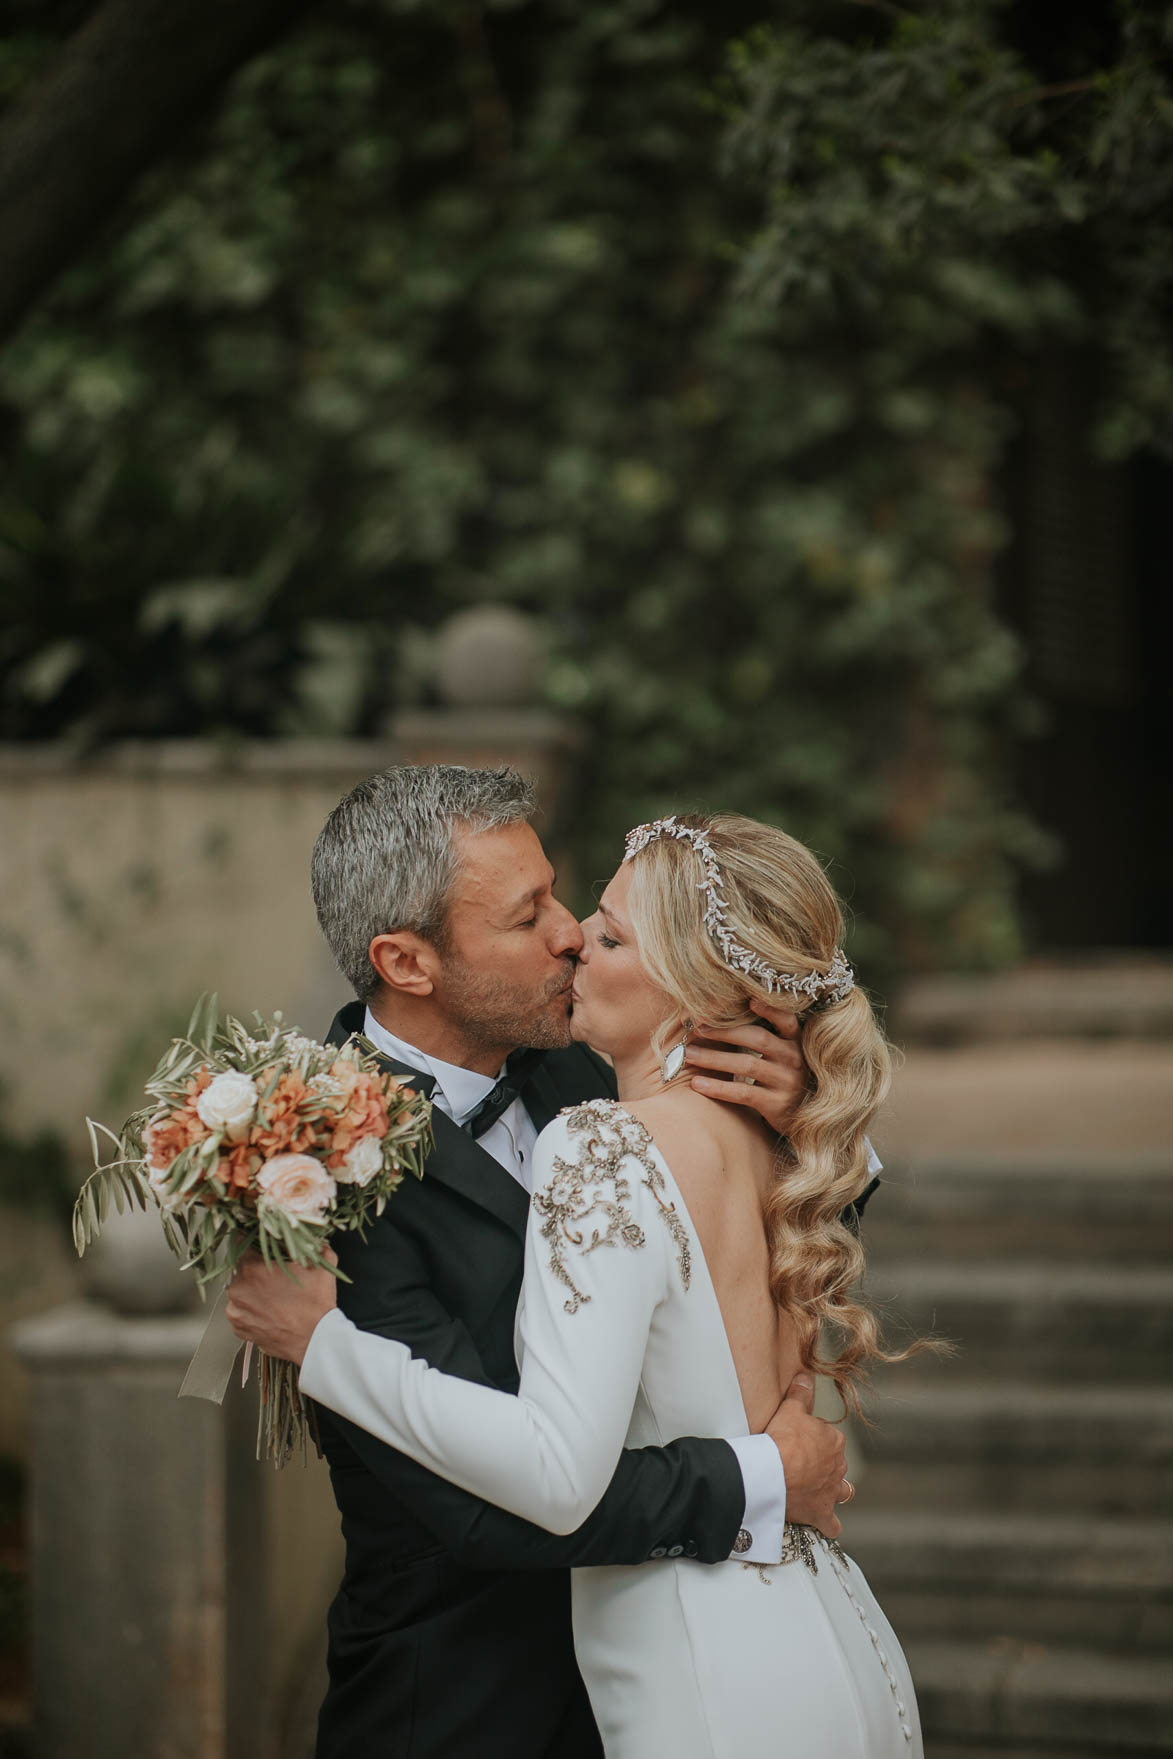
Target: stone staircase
x=1016, y=1516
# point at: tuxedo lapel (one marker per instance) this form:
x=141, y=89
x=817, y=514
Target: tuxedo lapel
x=565, y=1078
x=456, y=1160
x=463, y=1165
x=541, y=1097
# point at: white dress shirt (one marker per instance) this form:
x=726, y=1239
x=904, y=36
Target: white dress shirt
x=510, y=1140
x=458, y=1092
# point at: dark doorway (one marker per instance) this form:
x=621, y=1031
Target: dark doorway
x=1087, y=585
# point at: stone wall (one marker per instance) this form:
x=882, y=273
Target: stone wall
x=128, y=886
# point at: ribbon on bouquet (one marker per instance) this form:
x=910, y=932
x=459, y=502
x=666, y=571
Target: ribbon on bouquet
x=210, y=1369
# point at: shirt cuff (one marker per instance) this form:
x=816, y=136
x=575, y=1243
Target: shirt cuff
x=875, y=1164
x=316, y=1364
x=764, y=1523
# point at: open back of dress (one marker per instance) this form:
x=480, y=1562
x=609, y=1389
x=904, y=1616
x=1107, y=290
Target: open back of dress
x=719, y=1661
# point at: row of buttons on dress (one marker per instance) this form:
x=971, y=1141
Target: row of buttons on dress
x=688, y=1550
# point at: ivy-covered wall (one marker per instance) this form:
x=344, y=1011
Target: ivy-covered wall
x=699, y=340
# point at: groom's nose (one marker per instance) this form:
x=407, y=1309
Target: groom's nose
x=567, y=936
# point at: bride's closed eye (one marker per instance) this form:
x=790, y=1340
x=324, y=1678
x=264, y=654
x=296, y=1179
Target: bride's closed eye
x=605, y=940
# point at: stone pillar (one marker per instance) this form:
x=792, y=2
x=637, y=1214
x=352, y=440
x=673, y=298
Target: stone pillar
x=138, y=1644
x=487, y=674
x=179, y=1586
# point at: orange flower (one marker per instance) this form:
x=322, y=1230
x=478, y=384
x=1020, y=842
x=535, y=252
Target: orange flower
x=238, y=1168
x=279, y=1129
x=167, y=1136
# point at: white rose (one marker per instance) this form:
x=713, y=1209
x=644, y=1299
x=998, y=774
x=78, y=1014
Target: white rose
x=362, y=1162
x=297, y=1184
x=229, y=1105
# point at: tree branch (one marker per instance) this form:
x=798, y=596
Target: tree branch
x=114, y=101
x=1068, y=87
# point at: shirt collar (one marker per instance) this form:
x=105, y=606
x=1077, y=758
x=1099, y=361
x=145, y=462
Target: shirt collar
x=458, y=1091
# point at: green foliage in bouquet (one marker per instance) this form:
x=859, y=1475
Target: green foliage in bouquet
x=713, y=370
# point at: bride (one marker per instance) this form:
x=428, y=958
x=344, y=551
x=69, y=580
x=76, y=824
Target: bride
x=678, y=1273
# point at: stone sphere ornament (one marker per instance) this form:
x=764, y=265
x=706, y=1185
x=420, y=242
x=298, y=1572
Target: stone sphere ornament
x=491, y=656
x=131, y=1269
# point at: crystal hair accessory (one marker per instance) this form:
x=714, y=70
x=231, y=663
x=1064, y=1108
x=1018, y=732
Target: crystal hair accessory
x=817, y=986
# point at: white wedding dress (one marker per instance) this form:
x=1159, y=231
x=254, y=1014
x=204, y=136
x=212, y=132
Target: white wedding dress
x=621, y=1343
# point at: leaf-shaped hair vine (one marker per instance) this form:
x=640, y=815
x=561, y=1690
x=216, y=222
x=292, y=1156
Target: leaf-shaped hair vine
x=817, y=986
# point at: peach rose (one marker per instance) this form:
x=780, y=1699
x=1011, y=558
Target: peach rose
x=298, y=1185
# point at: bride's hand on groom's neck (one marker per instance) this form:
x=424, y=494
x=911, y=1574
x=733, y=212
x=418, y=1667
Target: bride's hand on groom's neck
x=761, y=1067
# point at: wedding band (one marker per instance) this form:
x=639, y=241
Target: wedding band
x=752, y=1080
x=850, y=1489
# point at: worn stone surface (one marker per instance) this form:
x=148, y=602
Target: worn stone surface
x=1073, y=1702
x=1016, y=1517
x=176, y=1583
x=1096, y=996
x=1035, y=1099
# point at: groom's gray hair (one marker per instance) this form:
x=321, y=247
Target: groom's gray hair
x=386, y=858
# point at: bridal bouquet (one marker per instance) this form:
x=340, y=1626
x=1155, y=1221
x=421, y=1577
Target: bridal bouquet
x=259, y=1141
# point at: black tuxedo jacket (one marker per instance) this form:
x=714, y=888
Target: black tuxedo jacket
x=450, y=1636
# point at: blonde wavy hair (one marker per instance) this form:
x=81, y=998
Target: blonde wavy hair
x=781, y=906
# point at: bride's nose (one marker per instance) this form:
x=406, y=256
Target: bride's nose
x=584, y=952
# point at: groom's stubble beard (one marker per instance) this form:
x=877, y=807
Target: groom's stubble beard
x=492, y=1012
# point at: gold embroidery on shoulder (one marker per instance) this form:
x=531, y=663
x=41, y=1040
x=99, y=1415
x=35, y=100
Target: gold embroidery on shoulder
x=587, y=1202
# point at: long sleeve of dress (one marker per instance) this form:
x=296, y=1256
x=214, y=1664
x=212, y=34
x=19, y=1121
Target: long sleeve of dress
x=603, y=1240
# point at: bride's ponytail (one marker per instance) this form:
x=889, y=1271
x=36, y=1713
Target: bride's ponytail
x=816, y=1260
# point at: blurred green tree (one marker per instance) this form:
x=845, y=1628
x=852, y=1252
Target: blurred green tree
x=516, y=299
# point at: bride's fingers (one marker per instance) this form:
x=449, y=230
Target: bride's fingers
x=731, y=1092
x=748, y=1065
x=779, y=1056
x=763, y=1040
x=780, y=1016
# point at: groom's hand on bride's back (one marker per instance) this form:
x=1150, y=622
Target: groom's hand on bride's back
x=814, y=1459
x=761, y=1067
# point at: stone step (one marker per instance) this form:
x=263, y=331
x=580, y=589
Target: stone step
x=983, y=1750
x=1085, y=1581
x=1031, y=1698
x=964, y=1444
x=1091, y=995
x=1059, y=1321
x=1021, y=1206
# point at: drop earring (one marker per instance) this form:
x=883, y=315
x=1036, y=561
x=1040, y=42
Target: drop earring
x=672, y=1063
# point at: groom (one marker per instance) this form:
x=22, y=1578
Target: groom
x=450, y=1637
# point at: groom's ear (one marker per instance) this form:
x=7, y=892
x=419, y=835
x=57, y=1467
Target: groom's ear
x=407, y=963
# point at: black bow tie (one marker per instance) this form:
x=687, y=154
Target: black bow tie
x=519, y=1066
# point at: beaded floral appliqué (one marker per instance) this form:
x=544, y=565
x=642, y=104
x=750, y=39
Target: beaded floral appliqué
x=801, y=1545
x=587, y=1201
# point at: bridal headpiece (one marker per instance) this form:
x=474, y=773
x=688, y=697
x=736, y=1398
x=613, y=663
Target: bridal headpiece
x=817, y=986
